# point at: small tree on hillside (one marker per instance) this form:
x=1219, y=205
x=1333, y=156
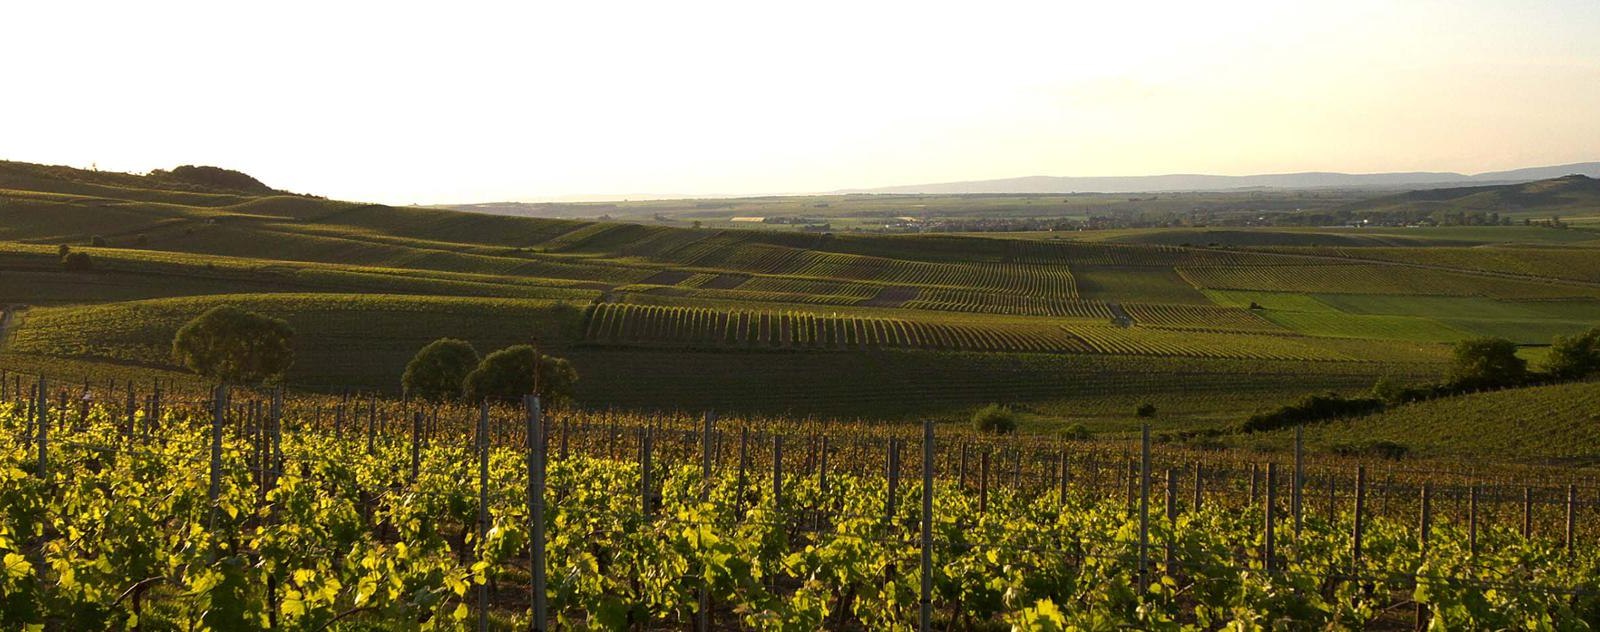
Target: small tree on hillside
x=1487, y=362
x=1574, y=357
x=234, y=346
x=77, y=262
x=994, y=419
x=508, y=374
x=439, y=371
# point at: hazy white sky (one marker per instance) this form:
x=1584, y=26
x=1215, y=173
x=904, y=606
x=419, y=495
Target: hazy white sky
x=466, y=101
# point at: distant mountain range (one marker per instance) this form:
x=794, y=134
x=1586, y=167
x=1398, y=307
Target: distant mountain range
x=1202, y=182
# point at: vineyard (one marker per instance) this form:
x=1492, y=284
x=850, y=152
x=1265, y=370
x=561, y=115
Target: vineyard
x=624, y=323
x=175, y=509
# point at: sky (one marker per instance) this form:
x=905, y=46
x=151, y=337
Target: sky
x=463, y=101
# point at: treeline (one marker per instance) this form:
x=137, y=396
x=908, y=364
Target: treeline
x=1479, y=364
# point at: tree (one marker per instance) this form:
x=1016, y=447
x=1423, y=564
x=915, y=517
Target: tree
x=234, y=346
x=994, y=419
x=77, y=262
x=508, y=374
x=1574, y=357
x=1487, y=362
x=439, y=371
x=1146, y=409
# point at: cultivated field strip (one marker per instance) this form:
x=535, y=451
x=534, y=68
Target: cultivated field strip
x=1200, y=317
x=951, y=300
x=631, y=324
x=1359, y=278
x=1160, y=342
x=1577, y=264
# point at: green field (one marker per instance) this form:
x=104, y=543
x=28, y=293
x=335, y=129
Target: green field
x=1072, y=327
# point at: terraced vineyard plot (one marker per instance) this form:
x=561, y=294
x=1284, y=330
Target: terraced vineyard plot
x=1200, y=318
x=624, y=323
x=1136, y=284
x=1158, y=342
x=995, y=303
x=1542, y=424
x=1372, y=279
x=1579, y=264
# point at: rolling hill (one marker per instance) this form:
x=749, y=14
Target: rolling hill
x=661, y=317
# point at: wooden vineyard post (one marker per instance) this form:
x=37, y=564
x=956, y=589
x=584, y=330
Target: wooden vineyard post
x=822, y=467
x=219, y=412
x=1572, y=507
x=1297, y=494
x=702, y=620
x=566, y=429
x=925, y=621
x=1527, y=512
x=483, y=506
x=1066, y=478
x=41, y=412
x=964, y=464
x=983, y=482
x=536, y=495
x=155, y=406
x=893, y=474
x=744, y=465
x=132, y=413
x=1359, y=520
x=1144, y=511
x=372, y=422
x=1472, y=521
x=1254, y=474
x=777, y=471
x=1199, y=488
x=646, y=448
x=1268, y=550
x=707, y=430
x=1172, y=517
x=416, y=444
x=1424, y=525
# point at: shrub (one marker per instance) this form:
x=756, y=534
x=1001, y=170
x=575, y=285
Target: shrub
x=1076, y=432
x=1575, y=357
x=1146, y=409
x=1381, y=449
x=233, y=346
x=439, y=370
x=1389, y=390
x=1487, y=363
x=994, y=419
x=509, y=373
x=77, y=262
x=1311, y=408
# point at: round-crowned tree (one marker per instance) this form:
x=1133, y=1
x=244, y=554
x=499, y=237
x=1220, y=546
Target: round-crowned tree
x=509, y=373
x=1487, y=363
x=994, y=419
x=1573, y=357
x=234, y=346
x=439, y=370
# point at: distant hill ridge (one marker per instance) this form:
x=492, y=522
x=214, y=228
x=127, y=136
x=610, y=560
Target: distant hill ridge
x=186, y=178
x=1555, y=195
x=1203, y=182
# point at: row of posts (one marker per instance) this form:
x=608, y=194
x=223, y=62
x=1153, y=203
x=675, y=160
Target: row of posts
x=270, y=451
